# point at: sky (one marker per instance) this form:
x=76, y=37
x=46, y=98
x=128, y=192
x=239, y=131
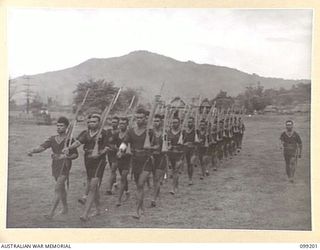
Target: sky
x=271, y=43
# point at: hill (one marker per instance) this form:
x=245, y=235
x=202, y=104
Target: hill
x=147, y=70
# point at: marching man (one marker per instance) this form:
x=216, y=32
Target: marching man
x=61, y=164
x=292, y=145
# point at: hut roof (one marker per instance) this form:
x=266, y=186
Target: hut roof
x=177, y=102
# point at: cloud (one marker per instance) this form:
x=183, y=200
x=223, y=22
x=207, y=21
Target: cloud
x=42, y=40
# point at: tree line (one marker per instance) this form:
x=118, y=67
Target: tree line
x=253, y=98
x=256, y=98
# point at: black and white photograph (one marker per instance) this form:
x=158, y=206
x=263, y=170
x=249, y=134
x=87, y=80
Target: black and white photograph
x=160, y=118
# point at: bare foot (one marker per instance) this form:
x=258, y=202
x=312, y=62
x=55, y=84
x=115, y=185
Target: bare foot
x=84, y=218
x=108, y=192
x=153, y=204
x=143, y=212
x=48, y=216
x=118, y=204
x=127, y=196
x=64, y=211
x=95, y=213
x=82, y=200
x=137, y=217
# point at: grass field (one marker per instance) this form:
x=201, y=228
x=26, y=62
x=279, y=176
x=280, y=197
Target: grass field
x=250, y=191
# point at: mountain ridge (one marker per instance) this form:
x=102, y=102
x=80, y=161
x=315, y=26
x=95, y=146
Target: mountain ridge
x=147, y=70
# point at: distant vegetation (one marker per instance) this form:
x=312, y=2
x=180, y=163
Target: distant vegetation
x=257, y=98
x=254, y=99
x=101, y=94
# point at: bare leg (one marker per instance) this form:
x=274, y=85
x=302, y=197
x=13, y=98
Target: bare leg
x=240, y=141
x=175, y=178
x=59, y=192
x=225, y=149
x=64, y=196
x=148, y=182
x=292, y=168
x=111, y=178
x=220, y=155
x=92, y=198
x=215, y=161
x=140, y=192
x=202, y=167
x=156, y=185
x=287, y=161
x=83, y=199
x=123, y=185
x=87, y=186
x=207, y=163
x=230, y=149
x=190, y=167
x=97, y=201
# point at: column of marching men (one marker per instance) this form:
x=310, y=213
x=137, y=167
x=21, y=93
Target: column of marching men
x=159, y=143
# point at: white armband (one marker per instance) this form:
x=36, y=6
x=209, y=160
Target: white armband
x=123, y=147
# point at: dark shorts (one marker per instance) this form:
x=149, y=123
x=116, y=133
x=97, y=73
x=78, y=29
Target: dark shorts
x=219, y=149
x=203, y=151
x=226, y=140
x=124, y=162
x=175, y=155
x=189, y=152
x=95, y=167
x=112, y=157
x=236, y=138
x=159, y=161
x=61, y=167
x=288, y=157
x=212, y=148
x=141, y=163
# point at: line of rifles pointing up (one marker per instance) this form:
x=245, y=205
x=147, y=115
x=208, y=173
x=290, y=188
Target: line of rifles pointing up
x=157, y=143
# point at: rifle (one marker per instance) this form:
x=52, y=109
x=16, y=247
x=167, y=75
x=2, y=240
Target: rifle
x=231, y=116
x=218, y=125
x=209, y=125
x=70, y=130
x=164, y=133
x=225, y=123
x=185, y=119
x=240, y=123
x=105, y=114
x=147, y=143
x=130, y=106
x=160, y=108
x=132, y=115
x=171, y=115
x=236, y=126
x=196, y=137
x=130, y=124
x=72, y=127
